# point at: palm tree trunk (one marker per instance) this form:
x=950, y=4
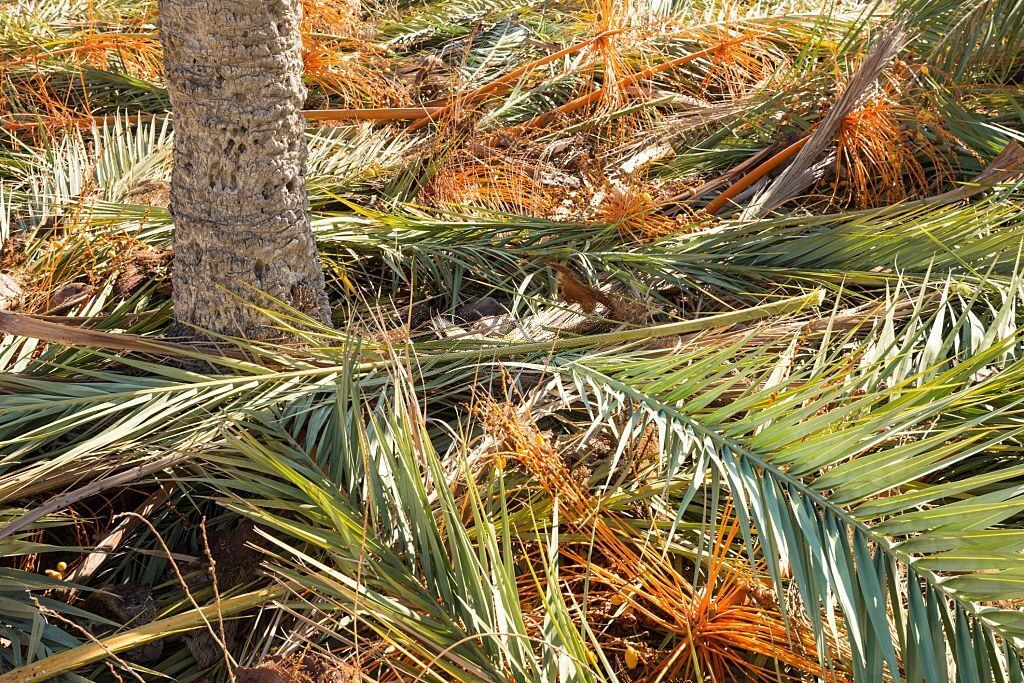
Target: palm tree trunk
x=238, y=190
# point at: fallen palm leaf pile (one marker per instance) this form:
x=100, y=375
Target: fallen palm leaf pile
x=674, y=341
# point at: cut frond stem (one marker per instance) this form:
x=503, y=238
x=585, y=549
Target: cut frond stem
x=35, y=328
x=769, y=165
x=65, y=499
x=781, y=307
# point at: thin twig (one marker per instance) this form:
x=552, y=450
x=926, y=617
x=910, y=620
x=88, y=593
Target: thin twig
x=184, y=586
x=216, y=593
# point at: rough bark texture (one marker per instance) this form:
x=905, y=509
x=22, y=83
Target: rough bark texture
x=238, y=192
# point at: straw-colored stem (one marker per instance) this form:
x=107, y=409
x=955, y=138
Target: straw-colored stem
x=83, y=655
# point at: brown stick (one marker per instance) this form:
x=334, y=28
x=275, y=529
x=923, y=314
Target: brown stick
x=769, y=165
x=26, y=326
x=79, y=121
x=126, y=320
